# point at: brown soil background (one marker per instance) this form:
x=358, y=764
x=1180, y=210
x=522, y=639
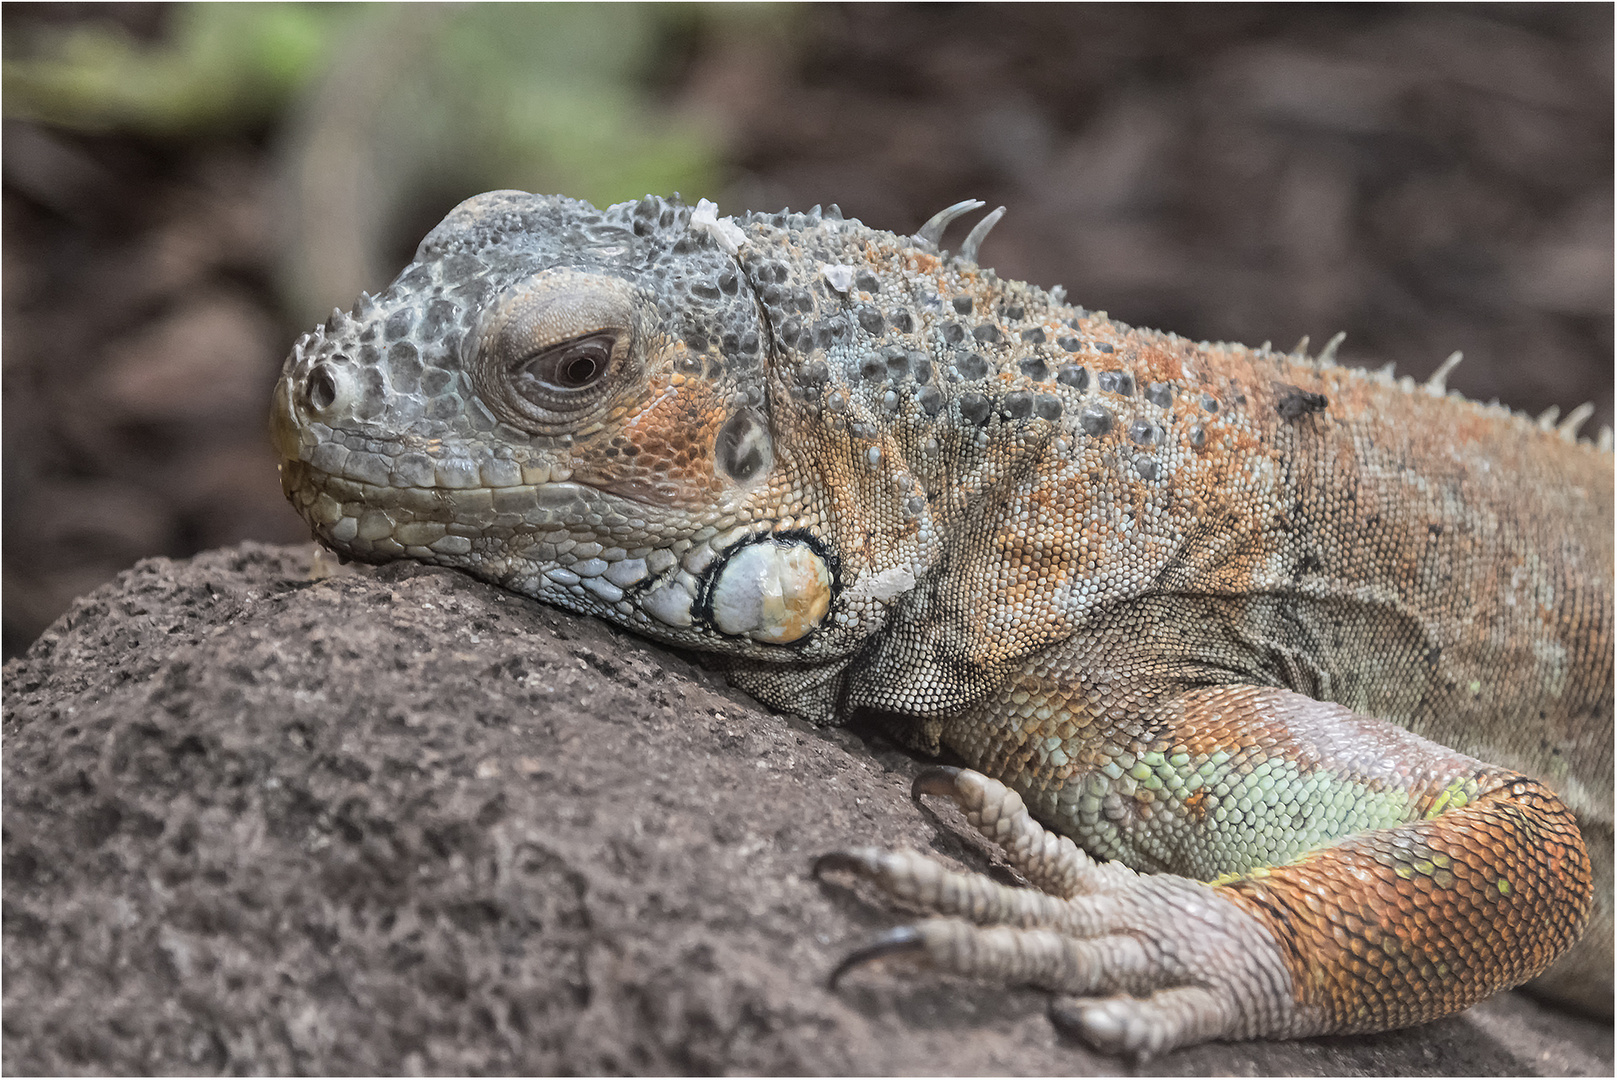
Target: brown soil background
x=216, y=793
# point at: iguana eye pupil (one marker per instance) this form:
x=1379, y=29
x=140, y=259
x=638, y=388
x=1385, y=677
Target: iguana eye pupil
x=580, y=370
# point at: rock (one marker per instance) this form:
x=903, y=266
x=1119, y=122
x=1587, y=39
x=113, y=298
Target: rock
x=396, y=821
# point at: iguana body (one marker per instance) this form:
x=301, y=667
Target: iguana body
x=1188, y=600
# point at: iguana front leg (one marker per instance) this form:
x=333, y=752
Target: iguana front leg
x=1353, y=876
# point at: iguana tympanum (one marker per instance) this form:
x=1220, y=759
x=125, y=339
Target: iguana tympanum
x=1308, y=670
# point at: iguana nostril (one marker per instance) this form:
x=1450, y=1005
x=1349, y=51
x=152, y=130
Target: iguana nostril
x=320, y=388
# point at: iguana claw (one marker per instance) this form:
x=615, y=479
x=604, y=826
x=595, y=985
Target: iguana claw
x=936, y=780
x=853, y=862
x=899, y=941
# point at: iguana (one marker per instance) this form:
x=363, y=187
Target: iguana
x=1306, y=671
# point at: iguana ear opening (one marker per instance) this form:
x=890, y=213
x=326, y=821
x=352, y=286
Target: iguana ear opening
x=553, y=354
x=744, y=451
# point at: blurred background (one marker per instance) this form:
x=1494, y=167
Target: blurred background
x=189, y=187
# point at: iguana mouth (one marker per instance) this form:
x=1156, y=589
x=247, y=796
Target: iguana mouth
x=771, y=588
x=354, y=513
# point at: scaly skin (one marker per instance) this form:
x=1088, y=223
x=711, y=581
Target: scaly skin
x=1326, y=654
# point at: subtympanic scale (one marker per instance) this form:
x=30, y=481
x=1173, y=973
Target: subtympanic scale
x=773, y=591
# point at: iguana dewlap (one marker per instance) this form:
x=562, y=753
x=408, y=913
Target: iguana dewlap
x=1325, y=656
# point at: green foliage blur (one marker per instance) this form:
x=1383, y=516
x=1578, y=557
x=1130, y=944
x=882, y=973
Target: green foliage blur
x=224, y=67
x=543, y=96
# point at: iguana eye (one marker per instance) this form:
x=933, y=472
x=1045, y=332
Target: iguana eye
x=554, y=352
x=556, y=377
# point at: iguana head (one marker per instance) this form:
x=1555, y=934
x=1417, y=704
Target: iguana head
x=633, y=412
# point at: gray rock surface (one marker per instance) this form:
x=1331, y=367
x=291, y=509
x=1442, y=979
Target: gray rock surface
x=395, y=820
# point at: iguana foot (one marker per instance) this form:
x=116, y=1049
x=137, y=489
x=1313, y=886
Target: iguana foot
x=1153, y=961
